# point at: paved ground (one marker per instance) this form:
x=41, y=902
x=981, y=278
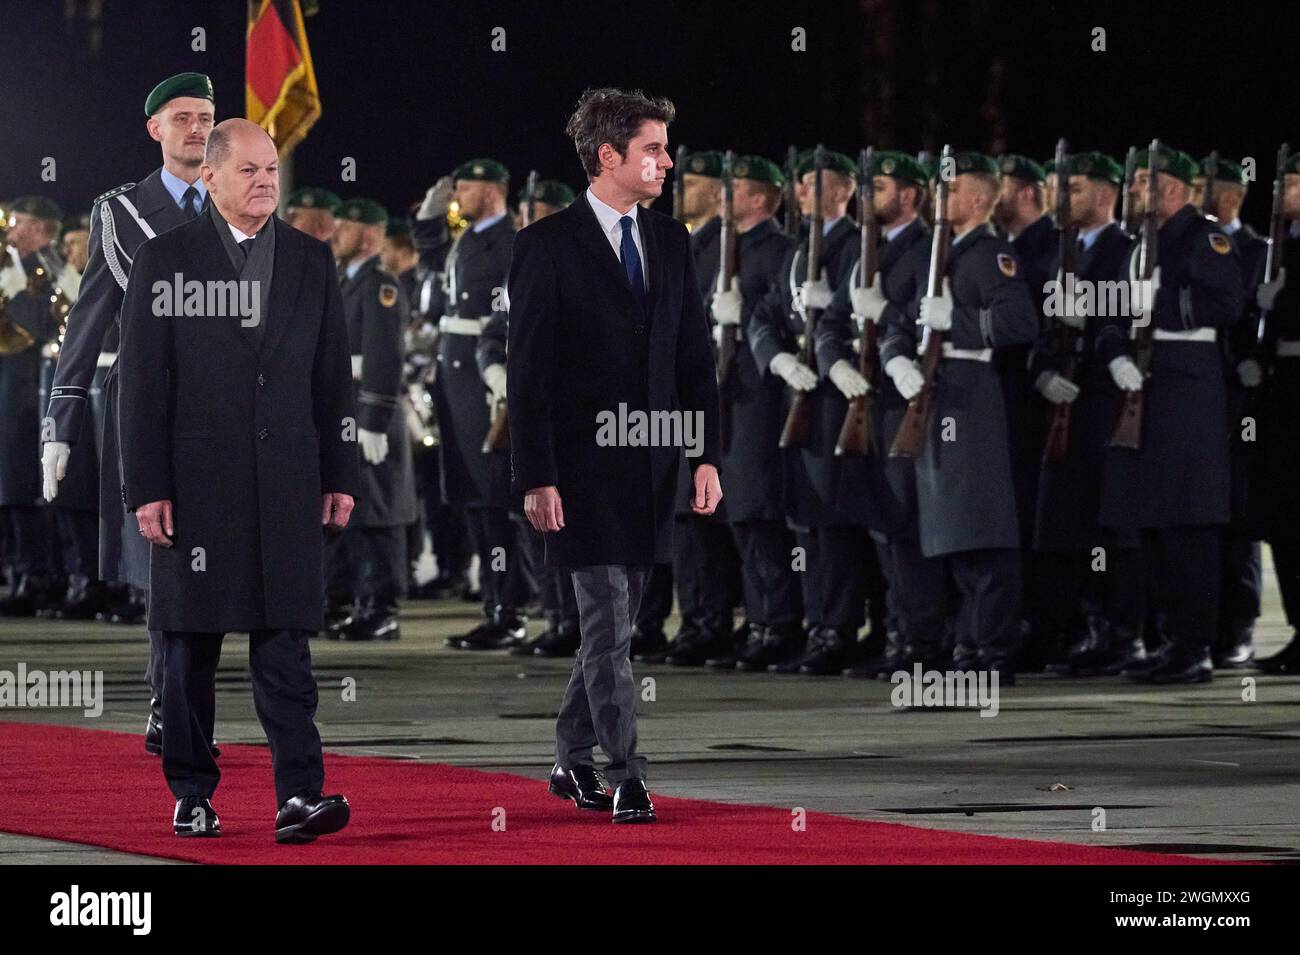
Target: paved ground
x=1190, y=770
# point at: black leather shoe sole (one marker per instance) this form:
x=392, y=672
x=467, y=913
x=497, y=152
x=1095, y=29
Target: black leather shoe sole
x=605, y=806
x=327, y=819
x=635, y=816
x=187, y=833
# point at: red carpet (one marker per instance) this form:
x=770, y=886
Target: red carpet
x=101, y=788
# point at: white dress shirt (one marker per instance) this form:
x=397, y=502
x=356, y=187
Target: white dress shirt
x=609, y=217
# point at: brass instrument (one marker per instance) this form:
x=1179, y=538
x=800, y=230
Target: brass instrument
x=13, y=338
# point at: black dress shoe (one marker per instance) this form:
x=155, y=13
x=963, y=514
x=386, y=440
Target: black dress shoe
x=1237, y=651
x=584, y=785
x=195, y=817
x=1139, y=668
x=1285, y=661
x=1179, y=666
x=309, y=814
x=525, y=649
x=32, y=593
x=559, y=641
x=153, y=729
x=649, y=646
x=374, y=625
x=772, y=646
x=632, y=802
x=828, y=656
x=688, y=646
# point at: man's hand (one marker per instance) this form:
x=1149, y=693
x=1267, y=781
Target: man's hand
x=1249, y=373
x=936, y=310
x=436, y=200
x=1057, y=389
x=906, y=376
x=816, y=295
x=1266, y=293
x=543, y=508
x=374, y=445
x=1126, y=374
x=727, y=305
x=869, y=303
x=708, y=490
x=336, y=509
x=54, y=464
x=796, y=374
x=13, y=281
x=494, y=376
x=155, y=520
x=848, y=380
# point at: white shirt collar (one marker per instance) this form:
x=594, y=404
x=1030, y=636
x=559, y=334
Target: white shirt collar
x=829, y=224
x=176, y=186
x=607, y=215
x=239, y=236
x=355, y=265
x=1090, y=236
x=489, y=222
x=1231, y=227
x=894, y=232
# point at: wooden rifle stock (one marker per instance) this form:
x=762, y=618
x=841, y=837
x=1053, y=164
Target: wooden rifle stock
x=855, y=433
x=797, y=430
x=1266, y=331
x=1058, y=428
x=1126, y=200
x=1128, y=427
x=910, y=439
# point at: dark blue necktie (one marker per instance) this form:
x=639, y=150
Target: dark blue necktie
x=632, y=260
x=190, y=203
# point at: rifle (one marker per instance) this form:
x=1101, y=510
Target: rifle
x=498, y=435
x=1266, y=331
x=679, y=185
x=1128, y=428
x=1126, y=203
x=1207, y=194
x=797, y=431
x=790, y=212
x=912, y=430
x=855, y=433
x=726, y=271
x=1058, y=431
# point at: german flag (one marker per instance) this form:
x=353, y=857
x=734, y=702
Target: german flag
x=280, y=85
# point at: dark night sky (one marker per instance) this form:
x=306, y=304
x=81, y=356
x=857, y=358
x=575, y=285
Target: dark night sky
x=412, y=88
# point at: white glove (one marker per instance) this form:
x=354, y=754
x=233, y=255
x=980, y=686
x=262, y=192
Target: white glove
x=69, y=282
x=436, y=199
x=907, y=377
x=54, y=464
x=1071, y=315
x=816, y=295
x=494, y=376
x=936, y=310
x=1250, y=373
x=796, y=374
x=727, y=305
x=869, y=303
x=374, y=445
x=1266, y=293
x=1057, y=389
x=1142, y=295
x=1125, y=373
x=12, y=277
x=848, y=380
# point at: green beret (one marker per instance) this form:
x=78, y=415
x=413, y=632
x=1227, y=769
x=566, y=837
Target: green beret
x=487, y=170
x=835, y=162
x=550, y=191
x=706, y=163
x=1292, y=164
x=398, y=227
x=899, y=165
x=182, y=84
x=313, y=198
x=1175, y=162
x=366, y=211
x=1049, y=166
x=1225, y=171
x=37, y=206
x=976, y=162
x=1096, y=165
x=1021, y=167
x=757, y=169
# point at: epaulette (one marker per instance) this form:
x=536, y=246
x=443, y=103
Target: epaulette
x=125, y=187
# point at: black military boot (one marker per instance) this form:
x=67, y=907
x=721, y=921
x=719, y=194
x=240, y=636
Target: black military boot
x=353, y=625
x=687, y=647
x=1236, y=648
x=1124, y=649
x=826, y=656
x=56, y=596
x=726, y=660
x=562, y=640
x=649, y=645
x=1139, y=668
x=1180, y=665
x=85, y=600
x=874, y=655
x=768, y=646
x=30, y=594
x=1285, y=661
x=379, y=622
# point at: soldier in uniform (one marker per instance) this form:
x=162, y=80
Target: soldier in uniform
x=1066, y=526
x=965, y=493
x=28, y=270
x=916, y=583
x=476, y=270
x=1275, y=491
x=1242, y=577
x=548, y=198
x=311, y=210
x=367, y=561
x=1173, y=492
x=180, y=116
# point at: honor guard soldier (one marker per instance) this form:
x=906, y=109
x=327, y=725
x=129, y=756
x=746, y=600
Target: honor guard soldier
x=477, y=482
x=311, y=210
x=180, y=116
x=1173, y=491
x=367, y=561
x=917, y=583
x=549, y=197
x=1242, y=563
x=965, y=492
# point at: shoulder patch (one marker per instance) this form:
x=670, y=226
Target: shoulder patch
x=125, y=187
x=1007, y=264
x=387, y=295
x=1220, y=243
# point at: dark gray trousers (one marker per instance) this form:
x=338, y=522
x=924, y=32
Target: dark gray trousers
x=599, y=703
